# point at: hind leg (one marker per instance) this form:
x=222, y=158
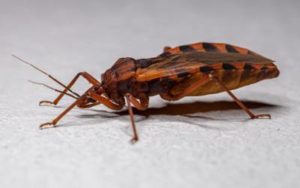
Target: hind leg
x=251, y=115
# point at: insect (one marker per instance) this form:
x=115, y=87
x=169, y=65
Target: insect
x=188, y=70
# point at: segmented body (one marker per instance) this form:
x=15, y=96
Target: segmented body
x=170, y=73
x=188, y=70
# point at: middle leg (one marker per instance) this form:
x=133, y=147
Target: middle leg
x=142, y=104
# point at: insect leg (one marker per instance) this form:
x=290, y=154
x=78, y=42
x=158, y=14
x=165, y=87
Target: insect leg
x=89, y=105
x=86, y=75
x=102, y=100
x=135, y=137
x=141, y=104
x=54, y=121
x=252, y=116
x=114, y=106
x=106, y=102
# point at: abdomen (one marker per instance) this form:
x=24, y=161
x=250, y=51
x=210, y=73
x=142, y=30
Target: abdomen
x=232, y=75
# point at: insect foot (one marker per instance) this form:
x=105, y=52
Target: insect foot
x=261, y=116
x=47, y=125
x=46, y=103
x=134, y=140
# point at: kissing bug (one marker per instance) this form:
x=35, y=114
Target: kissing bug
x=187, y=70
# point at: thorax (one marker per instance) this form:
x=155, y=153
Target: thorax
x=121, y=79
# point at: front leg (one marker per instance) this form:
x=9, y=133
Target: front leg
x=85, y=75
x=60, y=116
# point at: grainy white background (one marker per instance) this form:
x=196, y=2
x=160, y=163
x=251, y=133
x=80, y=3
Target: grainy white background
x=209, y=143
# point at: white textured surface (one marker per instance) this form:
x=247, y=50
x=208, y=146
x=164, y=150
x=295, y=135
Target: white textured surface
x=207, y=144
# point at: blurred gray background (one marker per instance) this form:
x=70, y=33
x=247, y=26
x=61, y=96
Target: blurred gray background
x=215, y=146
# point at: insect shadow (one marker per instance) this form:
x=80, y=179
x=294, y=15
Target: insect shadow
x=183, y=112
x=196, y=107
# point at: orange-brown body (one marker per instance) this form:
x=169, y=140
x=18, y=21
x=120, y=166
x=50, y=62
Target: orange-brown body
x=188, y=70
x=170, y=73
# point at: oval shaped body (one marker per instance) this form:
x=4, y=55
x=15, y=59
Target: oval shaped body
x=177, y=69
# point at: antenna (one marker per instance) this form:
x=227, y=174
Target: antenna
x=45, y=73
x=49, y=87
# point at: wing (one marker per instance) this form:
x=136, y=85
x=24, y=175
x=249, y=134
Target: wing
x=189, y=63
x=206, y=47
x=189, y=58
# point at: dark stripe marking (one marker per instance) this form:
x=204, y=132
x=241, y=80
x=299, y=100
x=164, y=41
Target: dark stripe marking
x=206, y=69
x=230, y=49
x=143, y=63
x=227, y=66
x=186, y=48
x=246, y=75
x=209, y=47
x=248, y=67
x=183, y=74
